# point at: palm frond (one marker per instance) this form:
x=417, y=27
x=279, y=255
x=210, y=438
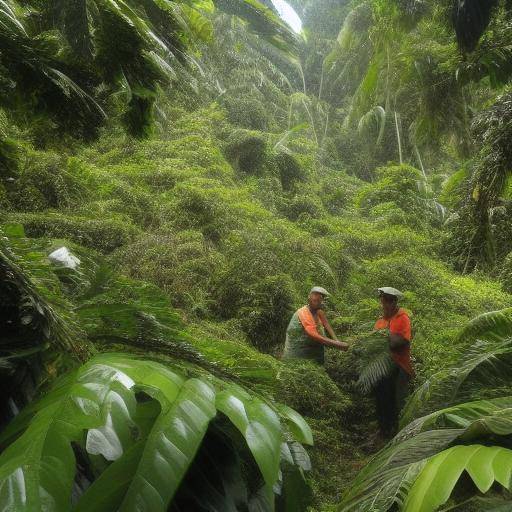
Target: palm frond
x=484, y=464
x=374, y=362
x=373, y=121
x=490, y=326
x=485, y=363
x=263, y=21
x=391, y=475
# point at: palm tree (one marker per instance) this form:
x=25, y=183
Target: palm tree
x=61, y=58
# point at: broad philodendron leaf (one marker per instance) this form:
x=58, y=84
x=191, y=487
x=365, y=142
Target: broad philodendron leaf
x=139, y=427
x=170, y=448
x=435, y=482
x=297, y=425
x=259, y=425
x=37, y=470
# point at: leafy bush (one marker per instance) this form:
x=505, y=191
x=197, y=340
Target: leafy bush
x=104, y=235
x=307, y=388
x=246, y=151
x=303, y=206
x=180, y=264
x=272, y=303
x=398, y=185
x=47, y=181
x=291, y=173
x=247, y=113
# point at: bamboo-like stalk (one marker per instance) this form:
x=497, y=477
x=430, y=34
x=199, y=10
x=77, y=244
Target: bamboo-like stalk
x=398, y=138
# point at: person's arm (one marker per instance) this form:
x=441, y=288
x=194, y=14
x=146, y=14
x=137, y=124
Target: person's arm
x=327, y=325
x=401, y=335
x=397, y=341
x=312, y=332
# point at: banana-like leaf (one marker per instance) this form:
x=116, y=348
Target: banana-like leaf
x=437, y=479
x=144, y=425
x=390, y=475
x=259, y=425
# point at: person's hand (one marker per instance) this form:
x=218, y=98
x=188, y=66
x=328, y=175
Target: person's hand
x=343, y=346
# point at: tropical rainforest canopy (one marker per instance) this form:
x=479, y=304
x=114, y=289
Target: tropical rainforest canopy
x=174, y=178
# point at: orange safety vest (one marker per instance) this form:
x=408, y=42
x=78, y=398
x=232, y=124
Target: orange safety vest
x=399, y=323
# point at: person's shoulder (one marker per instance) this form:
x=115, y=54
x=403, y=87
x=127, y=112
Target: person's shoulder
x=303, y=312
x=404, y=313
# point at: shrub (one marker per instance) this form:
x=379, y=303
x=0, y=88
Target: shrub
x=47, y=180
x=337, y=191
x=291, y=173
x=506, y=273
x=181, y=264
x=307, y=388
x=303, y=206
x=247, y=113
x=202, y=209
x=269, y=309
x=103, y=235
x=398, y=185
x=245, y=151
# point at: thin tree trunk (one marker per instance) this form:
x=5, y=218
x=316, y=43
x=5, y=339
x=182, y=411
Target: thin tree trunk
x=398, y=138
x=418, y=156
x=311, y=120
x=321, y=84
x=303, y=78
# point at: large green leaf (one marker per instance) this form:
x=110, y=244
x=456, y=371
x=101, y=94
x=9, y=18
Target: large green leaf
x=437, y=479
x=170, y=448
x=109, y=489
x=484, y=364
x=37, y=471
x=259, y=425
x=139, y=427
x=297, y=424
x=389, y=476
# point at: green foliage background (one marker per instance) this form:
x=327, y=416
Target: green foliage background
x=371, y=154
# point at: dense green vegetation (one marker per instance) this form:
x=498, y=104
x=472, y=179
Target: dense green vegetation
x=207, y=166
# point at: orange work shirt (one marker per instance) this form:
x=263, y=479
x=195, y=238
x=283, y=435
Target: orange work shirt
x=400, y=323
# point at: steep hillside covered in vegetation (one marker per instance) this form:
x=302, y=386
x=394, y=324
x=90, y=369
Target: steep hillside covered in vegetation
x=205, y=184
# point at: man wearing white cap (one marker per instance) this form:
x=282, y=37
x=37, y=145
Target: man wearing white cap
x=391, y=391
x=305, y=338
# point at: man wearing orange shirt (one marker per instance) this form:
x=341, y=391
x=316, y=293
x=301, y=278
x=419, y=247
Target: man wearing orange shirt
x=305, y=337
x=391, y=392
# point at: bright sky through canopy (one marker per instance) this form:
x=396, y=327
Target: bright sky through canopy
x=287, y=12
